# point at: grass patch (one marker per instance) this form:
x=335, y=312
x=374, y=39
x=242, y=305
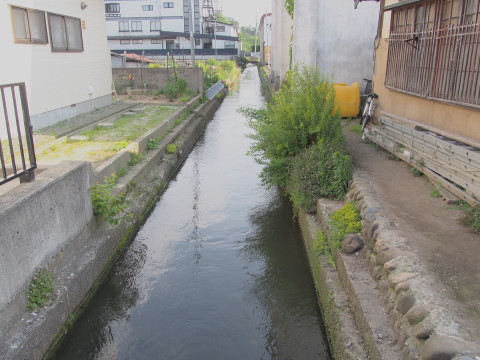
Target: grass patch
x=41, y=290
x=356, y=128
x=131, y=127
x=171, y=148
x=435, y=193
x=106, y=204
x=346, y=220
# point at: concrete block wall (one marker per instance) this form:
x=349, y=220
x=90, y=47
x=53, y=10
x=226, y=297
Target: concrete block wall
x=156, y=78
x=39, y=218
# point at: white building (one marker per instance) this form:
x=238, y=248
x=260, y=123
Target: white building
x=158, y=27
x=59, y=50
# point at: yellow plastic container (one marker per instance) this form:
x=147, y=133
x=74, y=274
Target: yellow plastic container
x=347, y=99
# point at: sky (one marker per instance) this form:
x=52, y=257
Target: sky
x=246, y=12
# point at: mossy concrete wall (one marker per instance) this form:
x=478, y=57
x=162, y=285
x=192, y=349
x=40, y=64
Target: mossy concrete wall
x=80, y=264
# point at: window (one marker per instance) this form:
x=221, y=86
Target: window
x=137, y=41
x=168, y=4
x=29, y=26
x=136, y=26
x=229, y=44
x=154, y=25
x=220, y=28
x=124, y=42
x=147, y=7
x=430, y=50
x=197, y=42
x=170, y=44
x=156, y=41
x=123, y=26
x=112, y=8
x=65, y=33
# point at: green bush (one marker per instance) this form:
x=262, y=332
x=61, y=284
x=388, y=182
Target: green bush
x=302, y=113
x=107, y=205
x=40, y=291
x=346, y=220
x=319, y=171
x=171, y=148
x=176, y=87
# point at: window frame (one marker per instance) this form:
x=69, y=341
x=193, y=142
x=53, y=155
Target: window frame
x=168, y=4
x=147, y=7
x=430, y=50
x=137, y=41
x=124, y=41
x=30, y=40
x=113, y=11
x=123, y=22
x=135, y=22
x=64, y=17
x=155, y=22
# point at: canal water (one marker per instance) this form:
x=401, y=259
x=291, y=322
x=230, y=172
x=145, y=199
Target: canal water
x=218, y=271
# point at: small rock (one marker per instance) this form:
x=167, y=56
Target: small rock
x=381, y=336
x=33, y=313
x=29, y=321
x=352, y=243
x=423, y=330
x=403, y=286
x=349, y=343
x=390, y=265
x=397, y=278
x=417, y=313
x=464, y=357
x=446, y=347
x=405, y=302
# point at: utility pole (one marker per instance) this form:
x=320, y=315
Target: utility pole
x=192, y=26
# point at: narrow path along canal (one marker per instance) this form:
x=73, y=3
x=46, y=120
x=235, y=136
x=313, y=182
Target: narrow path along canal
x=218, y=271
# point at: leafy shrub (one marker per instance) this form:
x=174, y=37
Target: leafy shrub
x=319, y=171
x=176, y=87
x=346, y=220
x=227, y=71
x=107, y=205
x=40, y=291
x=302, y=113
x=135, y=158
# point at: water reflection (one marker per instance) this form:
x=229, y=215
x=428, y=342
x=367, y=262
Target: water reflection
x=283, y=289
x=111, y=307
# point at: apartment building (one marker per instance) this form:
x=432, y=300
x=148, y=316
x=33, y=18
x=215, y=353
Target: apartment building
x=157, y=28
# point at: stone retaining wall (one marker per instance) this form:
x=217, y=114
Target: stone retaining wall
x=425, y=328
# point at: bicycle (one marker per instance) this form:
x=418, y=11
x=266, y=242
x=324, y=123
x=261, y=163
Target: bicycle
x=369, y=107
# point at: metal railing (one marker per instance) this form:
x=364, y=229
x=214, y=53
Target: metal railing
x=434, y=51
x=17, y=153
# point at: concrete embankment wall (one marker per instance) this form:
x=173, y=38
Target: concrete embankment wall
x=37, y=219
x=81, y=252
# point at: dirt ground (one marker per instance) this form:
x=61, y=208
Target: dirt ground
x=149, y=99
x=449, y=251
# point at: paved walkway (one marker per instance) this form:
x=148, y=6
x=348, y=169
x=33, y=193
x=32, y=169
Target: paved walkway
x=449, y=251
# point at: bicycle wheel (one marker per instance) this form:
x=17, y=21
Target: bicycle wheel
x=365, y=122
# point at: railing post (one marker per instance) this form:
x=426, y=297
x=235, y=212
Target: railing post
x=29, y=175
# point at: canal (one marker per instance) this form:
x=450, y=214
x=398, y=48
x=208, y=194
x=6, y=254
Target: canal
x=218, y=271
